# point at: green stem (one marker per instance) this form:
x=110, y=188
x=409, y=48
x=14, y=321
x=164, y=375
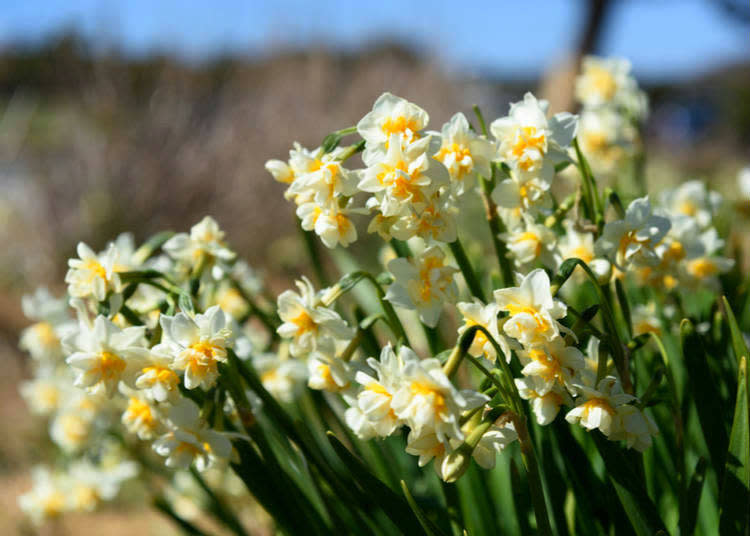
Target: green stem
x=535, y=482
x=267, y=319
x=497, y=227
x=593, y=203
x=466, y=269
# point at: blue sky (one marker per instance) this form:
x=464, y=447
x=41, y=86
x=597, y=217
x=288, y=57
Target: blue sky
x=663, y=38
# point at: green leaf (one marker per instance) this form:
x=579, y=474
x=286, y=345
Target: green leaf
x=738, y=341
x=330, y=142
x=378, y=491
x=735, y=491
x=689, y=515
x=622, y=471
x=703, y=388
x=429, y=528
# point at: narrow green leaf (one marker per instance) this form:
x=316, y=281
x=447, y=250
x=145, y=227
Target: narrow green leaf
x=738, y=341
x=735, y=491
x=689, y=515
x=429, y=528
x=378, y=491
x=703, y=387
x=621, y=470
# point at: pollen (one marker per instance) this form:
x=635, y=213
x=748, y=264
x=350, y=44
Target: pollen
x=528, y=139
x=139, y=411
x=110, y=365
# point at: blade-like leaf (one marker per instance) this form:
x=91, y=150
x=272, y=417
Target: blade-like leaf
x=429, y=528
x=379, y=492
x=621, y=470
x=738, y=341
x=703, y=388
x=689, y=515
x=735, y=491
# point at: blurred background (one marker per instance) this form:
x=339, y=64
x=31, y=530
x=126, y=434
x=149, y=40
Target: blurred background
x=140, y=116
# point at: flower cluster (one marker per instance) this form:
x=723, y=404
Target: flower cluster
x=613, y=109
x=176, y=349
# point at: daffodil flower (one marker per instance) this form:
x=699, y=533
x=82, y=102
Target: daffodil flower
x=195, y=345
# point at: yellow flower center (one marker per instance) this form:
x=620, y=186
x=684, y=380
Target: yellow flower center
x=110, y=366
x=687, y=207
x=138, y=410
x=45, y=333
x=85, y=497
x=552, y=368
x=399, y=125
x=53, y=504
x=517, y=308
x=702, y=268
x=162, y=375
x=437, y=399
x=527, y=139
x=593, y=403
x=460, y=153
x=604, y=83
x=583, y=253
x=528, y=236
x=75, y=429
x=304, y=322
x=95, y=269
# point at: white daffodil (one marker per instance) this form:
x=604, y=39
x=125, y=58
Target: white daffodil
x=141, y=417
x=205, y=243
x=93, y=275
x=52, y=322
x=90, y=484
x=328, y=373
x=527, y=198
x=530, y=143
x=607, y=81
x=105, y=354
x=190, y=440
x=533, y=311
x=633, y=426
x=405, y=177
x=478, y=314
x=554, y=363
x=633, y=239
x=645, y=320
x=492, y=442
x=463, y=153
x=322, y=179
x=280, y=377
x=390, y=116
x=531, y=243
x=424, y=283
x=330, y=221
x=359, y=423
x=155, y=378
x=545, y=406
x=71, y=430
x=597, y=407
x=692, y=199
x=703, y=269
x=428, y=446
x=436, y=222
x=427, y=400
x=607, y=139
x=375, y=398
x=45, y=394
x=48, y=497
x=195, y=345
x=580, y=245
x=310, y=324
